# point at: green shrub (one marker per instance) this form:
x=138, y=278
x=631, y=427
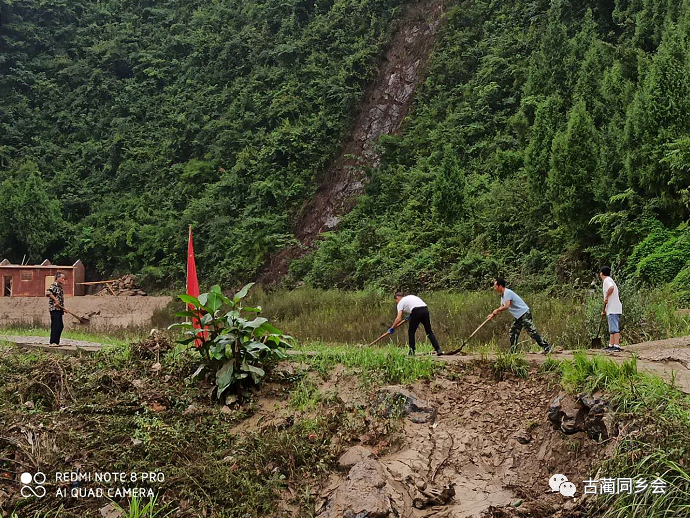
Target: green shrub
x=681, y=285
x=664, y=264
x=657, y=237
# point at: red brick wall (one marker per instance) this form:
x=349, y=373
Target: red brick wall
x=22, y=286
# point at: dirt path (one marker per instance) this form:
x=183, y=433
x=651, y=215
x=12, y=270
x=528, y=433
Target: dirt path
x=67, y=346
x=669, y=359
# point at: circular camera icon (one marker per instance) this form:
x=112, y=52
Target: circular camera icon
x=28, y=490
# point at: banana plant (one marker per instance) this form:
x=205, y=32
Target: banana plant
x=235, y=342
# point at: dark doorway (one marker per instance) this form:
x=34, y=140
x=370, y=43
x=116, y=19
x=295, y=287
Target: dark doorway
x=6, y=286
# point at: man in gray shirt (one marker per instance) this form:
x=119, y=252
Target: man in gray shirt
x=512, y=302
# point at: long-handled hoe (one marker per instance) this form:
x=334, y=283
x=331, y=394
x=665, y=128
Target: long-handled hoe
x=464, y=342
x=384, y=335
x=82, y=320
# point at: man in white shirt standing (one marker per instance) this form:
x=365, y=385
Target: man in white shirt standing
x=419, y=314
x=613, y=309
x=513, y=303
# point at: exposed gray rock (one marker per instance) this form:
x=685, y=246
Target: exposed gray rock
x=365, y=494
x=353, y=456
x=567, y=415
x=588, y=413
x=599, y=424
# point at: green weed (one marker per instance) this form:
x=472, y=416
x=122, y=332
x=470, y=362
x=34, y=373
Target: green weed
x=150, y=509
x=659, y=449
x=513, y=363
x=376, y=365
x=568, y=320
x=305, y=396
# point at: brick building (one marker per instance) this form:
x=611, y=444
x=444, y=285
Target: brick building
x=33, y=280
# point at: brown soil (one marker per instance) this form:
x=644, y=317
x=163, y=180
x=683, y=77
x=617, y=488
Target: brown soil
x=382, y=111
x=473, y=446
x=104, y=312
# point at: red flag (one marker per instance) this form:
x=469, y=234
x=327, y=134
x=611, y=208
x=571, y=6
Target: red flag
x=192, y=281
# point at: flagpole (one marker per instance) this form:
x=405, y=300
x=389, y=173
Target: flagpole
x=186, y=284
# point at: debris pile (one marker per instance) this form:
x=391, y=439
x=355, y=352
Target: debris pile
x=155, y=345
x=123, y=287
x=586, y=413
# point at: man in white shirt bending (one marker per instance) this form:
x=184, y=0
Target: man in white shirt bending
x=613, y=309
x=419, y=314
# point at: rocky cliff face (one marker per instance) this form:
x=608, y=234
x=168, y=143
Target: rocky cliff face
x=384, y=107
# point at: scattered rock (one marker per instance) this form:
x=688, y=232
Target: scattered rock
x=395, y=397
x=523, y=438
x=29, y=404
x=124, y=286
x=567, y=414
x=353, y=456
x=431, y=497
x=110, y=511
x=586, y=414
x=365, y=494
x=599, y=424
x=225, y=410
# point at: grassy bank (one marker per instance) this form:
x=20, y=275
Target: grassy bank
x=654, y=441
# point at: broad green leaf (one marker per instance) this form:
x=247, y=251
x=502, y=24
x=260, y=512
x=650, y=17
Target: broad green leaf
x=215, y=289
x=224, y=377
x=267, y=328
x=213, y=303
x=257, y=322
x=180, y=325
x=242, y=293
x=246, y=367
x=189, y=299
x=185, y=314
x=203, y=299
x=257, y=346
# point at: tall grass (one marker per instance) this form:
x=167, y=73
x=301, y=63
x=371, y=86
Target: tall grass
x=569, y=320
x=142, y=509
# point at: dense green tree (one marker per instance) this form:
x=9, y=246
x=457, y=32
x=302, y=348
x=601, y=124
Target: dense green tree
x=573, y=171
x=30, y=219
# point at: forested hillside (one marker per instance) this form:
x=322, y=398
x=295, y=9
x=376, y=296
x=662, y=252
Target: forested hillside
x=547, y=138
x=121, y=122
x=550, y=137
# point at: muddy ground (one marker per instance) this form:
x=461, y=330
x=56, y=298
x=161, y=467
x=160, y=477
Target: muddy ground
x=472, y=446
x=104, y=312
